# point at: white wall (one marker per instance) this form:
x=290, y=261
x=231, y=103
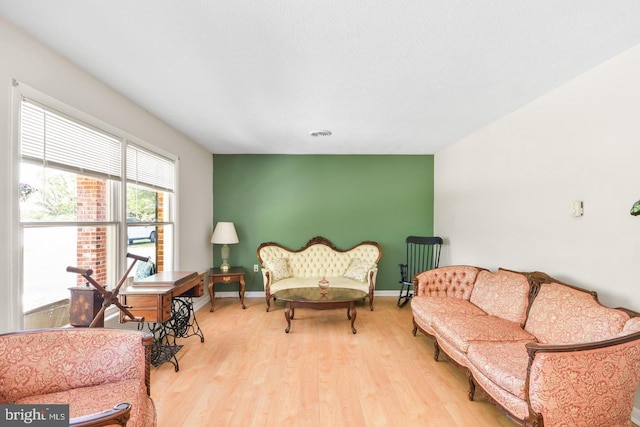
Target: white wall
x=31, y=63
x=503, y=195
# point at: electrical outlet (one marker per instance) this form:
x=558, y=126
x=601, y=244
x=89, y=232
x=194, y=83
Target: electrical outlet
x=255, y=268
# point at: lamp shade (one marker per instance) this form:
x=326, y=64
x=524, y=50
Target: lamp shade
x=224, y=234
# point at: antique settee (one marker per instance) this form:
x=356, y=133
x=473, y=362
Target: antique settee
x=354, y=268
x=103, y=374
x=546, y=353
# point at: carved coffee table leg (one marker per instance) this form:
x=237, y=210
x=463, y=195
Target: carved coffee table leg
x=287, y=309
x=352, y=310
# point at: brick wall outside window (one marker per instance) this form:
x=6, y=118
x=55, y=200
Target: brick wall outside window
x=91, y=247
x=160, y=233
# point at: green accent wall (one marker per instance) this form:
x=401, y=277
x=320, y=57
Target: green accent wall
x=347, y=199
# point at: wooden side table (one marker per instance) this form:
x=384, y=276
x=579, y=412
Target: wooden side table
x=235, y=274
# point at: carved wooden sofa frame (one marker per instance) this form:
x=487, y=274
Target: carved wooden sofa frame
x=541, y=355
x=284, y=268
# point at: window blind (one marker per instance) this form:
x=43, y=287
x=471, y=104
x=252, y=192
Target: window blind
x=150, y=169
x=58, y=141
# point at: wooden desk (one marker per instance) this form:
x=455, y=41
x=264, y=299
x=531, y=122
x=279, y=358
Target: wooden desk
x=235, y=274
x=164, y=302
x=151, y=297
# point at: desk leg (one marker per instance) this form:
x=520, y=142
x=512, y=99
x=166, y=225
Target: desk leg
x=164, y=347
x=183, y=320
x=242, y=287
x=212, y=294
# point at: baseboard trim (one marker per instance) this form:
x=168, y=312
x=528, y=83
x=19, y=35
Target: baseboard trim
x=635, y=416
x=198, y=303
x=260, y=294
x=112, y=319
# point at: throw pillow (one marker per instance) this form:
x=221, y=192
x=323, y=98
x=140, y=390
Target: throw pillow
x=278, y=268
x=358, y=269
x=145, y=269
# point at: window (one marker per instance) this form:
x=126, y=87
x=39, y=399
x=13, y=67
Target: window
x=150, y=186
x=87, y=197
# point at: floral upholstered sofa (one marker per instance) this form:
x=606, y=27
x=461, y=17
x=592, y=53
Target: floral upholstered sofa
x=103, y=374
x=547, y=353
x=354, y=268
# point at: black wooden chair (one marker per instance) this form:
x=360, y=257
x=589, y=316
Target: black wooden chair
x=423, y=253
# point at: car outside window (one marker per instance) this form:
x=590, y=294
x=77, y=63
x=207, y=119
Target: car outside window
x=138, y=233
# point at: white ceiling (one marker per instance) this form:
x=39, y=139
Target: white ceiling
x=384, y=76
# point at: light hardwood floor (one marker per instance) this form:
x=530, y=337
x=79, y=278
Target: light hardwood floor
x=249, y=372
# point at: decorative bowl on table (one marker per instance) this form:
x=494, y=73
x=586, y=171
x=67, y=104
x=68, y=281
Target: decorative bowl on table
x=323, y=284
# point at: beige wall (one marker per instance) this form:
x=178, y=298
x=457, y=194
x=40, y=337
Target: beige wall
x=33, y=64
x=503, y=195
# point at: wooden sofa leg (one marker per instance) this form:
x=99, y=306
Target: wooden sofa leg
x=415, y=327
x=436, y=348
x=533, y=420
x=268, y=302
x=472, y=385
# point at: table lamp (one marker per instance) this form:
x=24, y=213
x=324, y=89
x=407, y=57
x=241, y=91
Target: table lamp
x=225, y=235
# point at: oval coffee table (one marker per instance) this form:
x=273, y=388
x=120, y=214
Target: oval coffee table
x=313, y=298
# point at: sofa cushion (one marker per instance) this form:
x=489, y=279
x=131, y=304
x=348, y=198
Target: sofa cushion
x=278, y=267
x=98, y=398
x=453, y=281
x=38, y=364
x=632, y=325
x=514, y=405
x=312, y=282
x=424, y=308
x=358, y=270
x=461, y=331
x=561, y=314
x=321, y=260
x=504, y=363
x=503, y=294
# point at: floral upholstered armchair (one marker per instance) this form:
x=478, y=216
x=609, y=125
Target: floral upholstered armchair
x=103, y=374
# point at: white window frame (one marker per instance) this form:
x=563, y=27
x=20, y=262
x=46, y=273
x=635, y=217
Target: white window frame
x=21, y=90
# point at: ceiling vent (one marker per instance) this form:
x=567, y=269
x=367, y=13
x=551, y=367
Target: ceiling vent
x=320, y=133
